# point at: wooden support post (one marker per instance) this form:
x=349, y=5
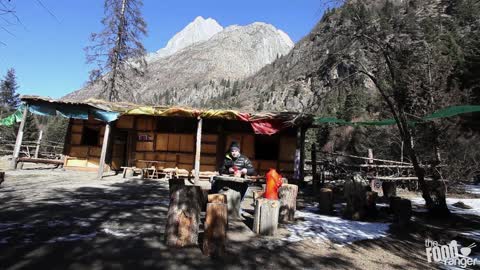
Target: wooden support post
x=18, y=142
x=265, y=220
x=103, y=155
x=215, y=229
x=198, y=152
x=401, y=153
x=370, y=156
x=314, y=169
x=287, y=195
x=300, y=155
x=37, y=149
x=183, y=217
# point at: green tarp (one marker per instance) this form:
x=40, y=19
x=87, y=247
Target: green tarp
x=443, y=113
x=12, y=119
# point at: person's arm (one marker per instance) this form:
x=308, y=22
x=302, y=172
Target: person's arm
x=225, y=169
x=249, y=166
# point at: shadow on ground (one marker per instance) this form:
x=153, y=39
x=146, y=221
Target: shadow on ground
x=122, y=226
x=119, y=228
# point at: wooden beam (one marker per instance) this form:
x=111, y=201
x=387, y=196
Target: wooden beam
x=103, y=155
x=198, y=152
x=18, y=142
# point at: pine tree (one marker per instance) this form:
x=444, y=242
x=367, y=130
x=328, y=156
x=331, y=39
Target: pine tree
x=8, y=91
x=117, y=50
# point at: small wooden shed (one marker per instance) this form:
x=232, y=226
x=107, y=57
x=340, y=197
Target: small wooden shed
x=106, y=136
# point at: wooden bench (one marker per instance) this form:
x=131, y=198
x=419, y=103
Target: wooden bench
x=57, y=162
x=134, y=169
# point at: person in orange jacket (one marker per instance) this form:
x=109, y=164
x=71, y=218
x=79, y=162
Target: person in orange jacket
x=274, y=182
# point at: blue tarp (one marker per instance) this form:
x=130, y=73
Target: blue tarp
x=75, y=112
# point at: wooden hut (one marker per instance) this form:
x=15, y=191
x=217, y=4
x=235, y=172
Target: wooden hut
x=130, y=134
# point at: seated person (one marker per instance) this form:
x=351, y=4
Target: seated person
x=236, y=163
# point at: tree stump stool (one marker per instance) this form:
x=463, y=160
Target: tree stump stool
x=389, y=189
x=355, y=194
x=183, y=217
x=402, y=210
x=371, y=206
x=234, y=199
x=129, y=173
x=174, y=184
x=265, y=220
x=215, y=228
x=325, y=201
x=287, y=195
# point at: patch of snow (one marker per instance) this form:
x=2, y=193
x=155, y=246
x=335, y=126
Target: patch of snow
x=473, y=189
x=72, y=237
x=474, y=203
x=285, y=38
x=198, y=30
x=82, y=223
x=320, y=228
x=116, y=233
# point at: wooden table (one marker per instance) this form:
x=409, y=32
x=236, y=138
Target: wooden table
x=239, y=184
x=150, y=165
x=247, y=179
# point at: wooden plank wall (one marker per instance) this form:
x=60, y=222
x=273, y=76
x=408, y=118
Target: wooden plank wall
x=175, y=149
x=286, y=158
x=82, y=155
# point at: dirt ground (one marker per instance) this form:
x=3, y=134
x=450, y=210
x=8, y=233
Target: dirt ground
x=56, y=219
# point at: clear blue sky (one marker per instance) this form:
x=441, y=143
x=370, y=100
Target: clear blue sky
x=47, y=50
